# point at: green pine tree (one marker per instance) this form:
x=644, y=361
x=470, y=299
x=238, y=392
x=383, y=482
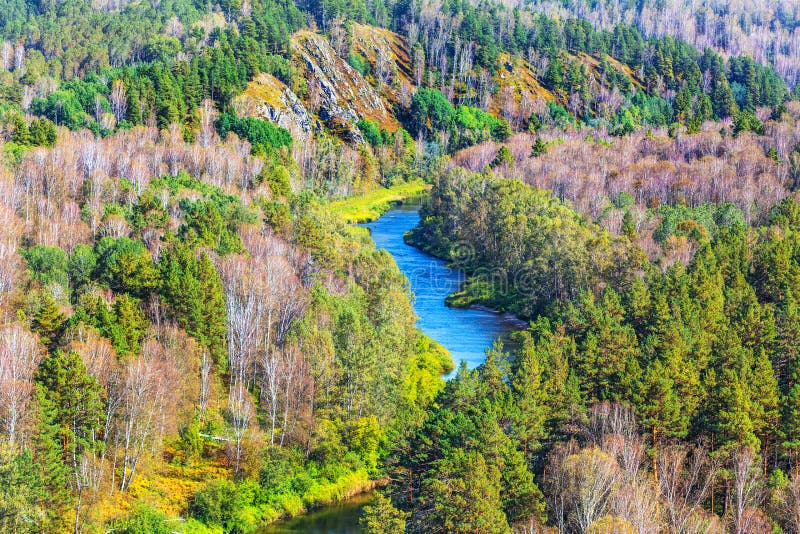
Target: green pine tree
x=48, y=456
x=539, y=147
x=530, y=397
x=381, y=517
x=48, y=320
x=462, y=495
x=20, y=492
x=629, y=226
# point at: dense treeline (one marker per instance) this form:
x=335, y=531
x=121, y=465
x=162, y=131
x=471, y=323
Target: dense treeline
x=623, y=182
x=456, y=44
x=263, y=343
x=734, y=27
x=520, y=241
x=143, y=64
x=129, y=75
x=704, y=353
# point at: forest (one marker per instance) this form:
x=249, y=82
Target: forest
x=690, y=364
x=194, y=337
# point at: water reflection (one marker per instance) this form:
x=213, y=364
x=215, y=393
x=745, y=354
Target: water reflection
x=339, y=518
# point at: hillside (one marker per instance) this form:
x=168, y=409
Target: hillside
x=389, y=58
x=268, y=98
x=340, y=94
x=337, y=95
x=765, y=31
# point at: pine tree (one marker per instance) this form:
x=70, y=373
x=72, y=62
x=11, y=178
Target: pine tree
x=75, y=396
x=554, y=76
x=790, y=428
x=561, y=384
x=530, y=397
x=43, y=132
x=539, y=147
x=503, y=157
x=766, y=399
x=608, y=351
x=20, y=133
x=683, y=105
x=493, y=376
x=48, y=321
x=130, y=325
x=637, y=301
x=213, y=321
x=520, y=496
x=786, y=358
x=193, y=90
x=752, y=96
x=629, y=226
x=462, y=494
x=722, y=100
x=744, y=403
x=53, y=473
x=381, y=517
x=20, y=489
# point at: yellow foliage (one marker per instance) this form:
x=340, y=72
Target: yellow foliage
x=162, y=485
x=371, y=205
x=611, y=524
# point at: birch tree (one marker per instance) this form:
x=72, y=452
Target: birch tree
x=20, y=354
x=149, y=382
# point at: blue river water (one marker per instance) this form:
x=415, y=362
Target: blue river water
x=466, y=333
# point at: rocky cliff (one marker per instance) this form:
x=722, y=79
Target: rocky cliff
x=336, y=91
x=336, y=95
x=270, y=99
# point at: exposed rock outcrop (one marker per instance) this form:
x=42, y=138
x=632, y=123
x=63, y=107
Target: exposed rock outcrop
x=389, y=59
x=270, y=99
x=337, y=91
x=337, y=95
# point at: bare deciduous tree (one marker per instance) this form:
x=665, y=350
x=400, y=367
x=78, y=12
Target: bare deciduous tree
x=148, y=383
x=339, y=37
x=593, y=478
x=748, y=488
x=638, y=504
x=240, y=415
x=207, y=132
x=685, y=477
x=20, y=354
x=384, y=66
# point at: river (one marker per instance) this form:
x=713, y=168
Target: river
x=339, y=518
x=466, y=333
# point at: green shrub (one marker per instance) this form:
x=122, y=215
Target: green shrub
x=125, y=265
x=81, y=265
x=47, y=264
x=144, y=520
x=279, y=469
x=264, y=136
x=371, y=132
x=358, y=62
x=219, y=503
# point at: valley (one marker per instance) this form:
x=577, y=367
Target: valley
x=421, y=266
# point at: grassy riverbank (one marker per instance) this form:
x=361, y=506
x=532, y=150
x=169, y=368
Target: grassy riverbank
x=246, y=505
x=371, y=205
